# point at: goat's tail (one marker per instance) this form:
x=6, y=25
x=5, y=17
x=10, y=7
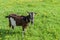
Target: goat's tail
x=6, y=16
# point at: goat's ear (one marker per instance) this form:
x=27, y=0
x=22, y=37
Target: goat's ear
x=27, y=12
x=35, y=13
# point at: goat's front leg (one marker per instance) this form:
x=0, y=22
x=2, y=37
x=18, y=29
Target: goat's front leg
x=23, y=33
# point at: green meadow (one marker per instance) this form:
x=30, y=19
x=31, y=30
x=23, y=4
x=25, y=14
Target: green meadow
x=46, y=21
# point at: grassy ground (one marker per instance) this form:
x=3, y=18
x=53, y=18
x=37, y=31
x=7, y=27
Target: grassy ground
x=47, y=19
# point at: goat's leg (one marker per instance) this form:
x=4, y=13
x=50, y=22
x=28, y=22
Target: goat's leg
x=9, y=23
x=12, y=27
x=23, y=33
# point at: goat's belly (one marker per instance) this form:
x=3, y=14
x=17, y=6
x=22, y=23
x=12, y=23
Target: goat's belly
x=13, y=22
x=18, y=23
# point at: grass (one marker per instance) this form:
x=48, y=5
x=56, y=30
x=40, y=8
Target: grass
x=47, y=19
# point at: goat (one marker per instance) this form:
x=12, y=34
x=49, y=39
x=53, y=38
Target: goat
x=16, y=20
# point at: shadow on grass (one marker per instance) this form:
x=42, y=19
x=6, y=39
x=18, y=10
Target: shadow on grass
x=4, y=33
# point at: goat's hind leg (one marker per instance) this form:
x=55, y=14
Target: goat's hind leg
x=23, y=33
x=12, y=27
x=9, y=23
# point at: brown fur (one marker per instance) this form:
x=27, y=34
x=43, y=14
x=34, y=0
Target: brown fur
x=20, y=20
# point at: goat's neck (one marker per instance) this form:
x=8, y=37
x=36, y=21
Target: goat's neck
x=28, y=18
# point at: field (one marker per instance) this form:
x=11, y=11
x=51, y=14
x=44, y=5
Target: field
x=46, y=22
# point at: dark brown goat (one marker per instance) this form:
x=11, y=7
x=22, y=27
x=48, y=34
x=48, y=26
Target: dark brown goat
x=16, y=20
x=20, y=20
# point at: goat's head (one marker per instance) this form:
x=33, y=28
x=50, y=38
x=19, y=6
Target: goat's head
x=31, y=15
